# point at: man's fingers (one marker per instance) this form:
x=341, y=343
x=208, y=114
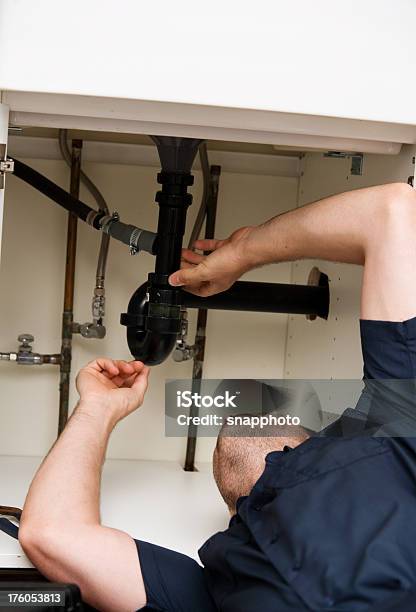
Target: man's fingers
x=128, y=371
x=188, y=276
x=185, y=265
x=208, y=244
x=118, y=381
x=128, y=382
x=125, y=367
x=116, y=370
x=138, y=367
x=192, y=257
x=105, y=365
x=140, y=383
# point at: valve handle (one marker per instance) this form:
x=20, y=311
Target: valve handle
x=25, y=341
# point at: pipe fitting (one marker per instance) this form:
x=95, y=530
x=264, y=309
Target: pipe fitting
x=136, y=238
x=25, y=355
x=150, y=346
x=183, y=351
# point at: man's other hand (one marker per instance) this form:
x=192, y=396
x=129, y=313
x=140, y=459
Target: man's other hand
x=206, y=275
x=68, y=543
x=117, y=387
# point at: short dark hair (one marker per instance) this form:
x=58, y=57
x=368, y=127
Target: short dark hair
x=239, y=457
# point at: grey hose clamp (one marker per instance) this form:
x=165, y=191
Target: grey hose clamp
x=91, y=217
x=107, y=221
x=134, y=241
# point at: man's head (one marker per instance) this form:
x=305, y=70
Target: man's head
x=239, y=458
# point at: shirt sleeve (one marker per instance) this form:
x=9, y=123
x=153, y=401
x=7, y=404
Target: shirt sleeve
x=173, y=581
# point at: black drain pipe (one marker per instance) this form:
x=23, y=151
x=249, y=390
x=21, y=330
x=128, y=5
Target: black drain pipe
x=136, y=238
x=153, y=317
x=151, y=339
x=267, y=297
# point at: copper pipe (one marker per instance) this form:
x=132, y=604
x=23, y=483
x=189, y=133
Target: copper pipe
x=11, y=511
x=198, y=366
x=68, y=313
x=52, y=359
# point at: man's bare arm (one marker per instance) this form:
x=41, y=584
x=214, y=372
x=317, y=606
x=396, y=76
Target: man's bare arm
x=60, y=527
x=374, y=226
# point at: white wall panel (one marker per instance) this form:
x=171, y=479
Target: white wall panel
x=331, y=349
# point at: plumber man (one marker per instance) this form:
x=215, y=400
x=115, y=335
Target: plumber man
x=318, y=523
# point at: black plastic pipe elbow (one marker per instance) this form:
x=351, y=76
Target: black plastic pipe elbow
x=147, y=344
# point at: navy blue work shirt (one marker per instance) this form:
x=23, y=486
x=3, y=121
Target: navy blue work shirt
x=330, y=525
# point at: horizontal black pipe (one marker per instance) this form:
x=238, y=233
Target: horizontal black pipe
x=51, y=190
x=136, y=238
x=267, y=297
x=153, y=347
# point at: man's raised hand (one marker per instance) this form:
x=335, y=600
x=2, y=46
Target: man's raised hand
x=206, y=275
x=117, y=387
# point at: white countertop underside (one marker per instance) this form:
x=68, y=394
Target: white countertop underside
x=304, y=74
x=154, y=501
